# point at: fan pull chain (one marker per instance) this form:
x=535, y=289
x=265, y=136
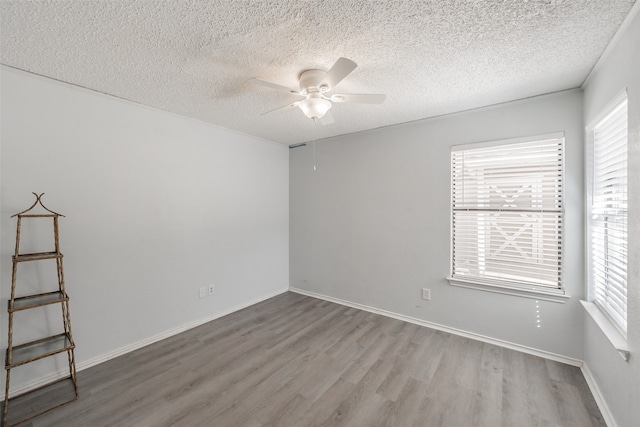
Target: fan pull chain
x=313, y=146
x=313, y=143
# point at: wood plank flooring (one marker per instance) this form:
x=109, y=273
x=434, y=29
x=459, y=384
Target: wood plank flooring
x=298, y=361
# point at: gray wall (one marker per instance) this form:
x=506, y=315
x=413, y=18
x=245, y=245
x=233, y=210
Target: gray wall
x=156, y=206
x=619, y=381
x=371, y=225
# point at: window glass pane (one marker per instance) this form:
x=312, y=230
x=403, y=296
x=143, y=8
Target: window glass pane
x=608, y=215
x=507, y=213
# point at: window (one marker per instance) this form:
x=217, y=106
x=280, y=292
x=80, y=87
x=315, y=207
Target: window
x=507, y=214
x=607, y=214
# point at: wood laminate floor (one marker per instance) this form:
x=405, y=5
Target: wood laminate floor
x=299, y=361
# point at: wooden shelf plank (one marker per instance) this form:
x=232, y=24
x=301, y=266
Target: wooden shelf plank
x=36, y=256
x=39, y=215
x=33, y=301
x=39, y=349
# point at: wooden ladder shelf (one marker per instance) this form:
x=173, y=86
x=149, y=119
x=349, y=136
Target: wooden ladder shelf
x=25, y=353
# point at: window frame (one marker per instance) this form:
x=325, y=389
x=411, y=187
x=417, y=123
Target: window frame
x=526, y=290
x=616, y=332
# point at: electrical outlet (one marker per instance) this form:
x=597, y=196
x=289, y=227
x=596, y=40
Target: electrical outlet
x=212, y=289
x=202, y=292
x=426, y=294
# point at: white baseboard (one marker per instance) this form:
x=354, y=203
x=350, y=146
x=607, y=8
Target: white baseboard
x=595, y=391
x=460, y=332
x=137, y=345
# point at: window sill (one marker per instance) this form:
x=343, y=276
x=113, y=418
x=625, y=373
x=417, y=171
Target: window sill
x=610, y=331
x=533, y=293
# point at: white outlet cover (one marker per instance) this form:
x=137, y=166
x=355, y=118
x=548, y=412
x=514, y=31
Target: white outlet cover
x=202, y=292
x=212, y=289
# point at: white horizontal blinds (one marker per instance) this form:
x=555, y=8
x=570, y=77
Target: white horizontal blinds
x=507, y=213
x=608, y=216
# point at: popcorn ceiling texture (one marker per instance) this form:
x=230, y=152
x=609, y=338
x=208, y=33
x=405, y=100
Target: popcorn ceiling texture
x=194, y=58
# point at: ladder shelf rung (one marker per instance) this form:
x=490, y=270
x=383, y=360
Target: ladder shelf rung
x=36, y=350
x=38, y=215
x=39, y=300
x=36, y=256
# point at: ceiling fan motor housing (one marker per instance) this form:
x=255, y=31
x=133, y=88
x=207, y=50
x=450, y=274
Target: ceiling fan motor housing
x=310, y=81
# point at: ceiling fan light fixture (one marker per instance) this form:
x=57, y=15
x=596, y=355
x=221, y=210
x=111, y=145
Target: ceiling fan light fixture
x=314, y=108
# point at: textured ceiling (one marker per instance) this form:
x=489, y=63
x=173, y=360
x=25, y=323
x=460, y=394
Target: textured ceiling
x=194, y=58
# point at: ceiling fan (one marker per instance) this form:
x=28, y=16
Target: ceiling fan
x=316, y=87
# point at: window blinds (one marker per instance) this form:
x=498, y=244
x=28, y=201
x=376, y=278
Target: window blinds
x=507, y=213
x=608, y=215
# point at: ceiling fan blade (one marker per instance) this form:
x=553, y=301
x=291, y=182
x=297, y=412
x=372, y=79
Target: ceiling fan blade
x=358, y=98
x=273, y=85
x=341, y=69
x=284, y=107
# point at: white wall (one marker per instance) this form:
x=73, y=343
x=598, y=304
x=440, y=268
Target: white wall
x=156, y=206
x=619, y=381
x=371, y=224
